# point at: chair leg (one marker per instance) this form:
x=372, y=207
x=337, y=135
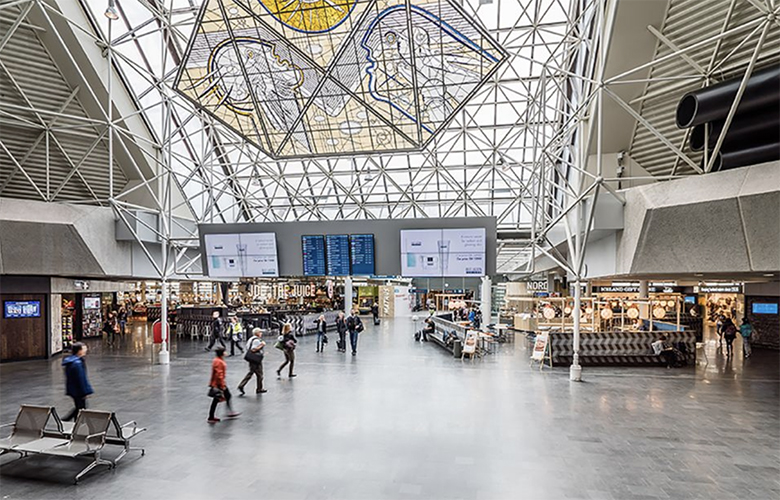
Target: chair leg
x=92, y=465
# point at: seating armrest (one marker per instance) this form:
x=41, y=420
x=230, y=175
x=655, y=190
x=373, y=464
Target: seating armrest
x=7, y=425
x=91, y=436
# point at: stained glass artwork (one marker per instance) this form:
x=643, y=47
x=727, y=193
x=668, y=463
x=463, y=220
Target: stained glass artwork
x=311, y=78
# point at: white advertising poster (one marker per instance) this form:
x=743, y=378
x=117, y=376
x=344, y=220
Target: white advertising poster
x=402, y=299
x=443, y=252
x=242, y=255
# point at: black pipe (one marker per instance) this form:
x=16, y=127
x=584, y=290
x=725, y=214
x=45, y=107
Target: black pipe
x=713, y=103
x=756, y=127
x=762, y=153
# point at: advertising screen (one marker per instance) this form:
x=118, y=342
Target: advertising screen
x=91, y=302
x=313, y=255
x=22, y=309
x=764, y=308
x=242, y=255
x=443, y=252
x=337, y=251
x=361, y=251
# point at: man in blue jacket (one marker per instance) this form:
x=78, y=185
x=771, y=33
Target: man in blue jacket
x=76, y=383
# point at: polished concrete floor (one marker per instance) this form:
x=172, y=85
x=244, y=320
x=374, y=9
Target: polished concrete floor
x=403, y=420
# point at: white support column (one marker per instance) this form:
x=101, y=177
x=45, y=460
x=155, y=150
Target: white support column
x=348, y=295
x=644, y=306
x=485, y=298
x=575, y=370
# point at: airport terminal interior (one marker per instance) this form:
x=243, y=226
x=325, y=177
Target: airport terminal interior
x=390, y=249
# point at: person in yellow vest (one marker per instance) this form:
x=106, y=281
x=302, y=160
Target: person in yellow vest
x=236, y=332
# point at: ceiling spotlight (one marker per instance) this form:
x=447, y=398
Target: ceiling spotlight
x=111, y=12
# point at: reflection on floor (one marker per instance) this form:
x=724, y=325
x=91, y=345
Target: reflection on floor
x=405, y=420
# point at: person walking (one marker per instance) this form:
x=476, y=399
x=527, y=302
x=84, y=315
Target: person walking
x=322, y=328
x=729, y=335
x=254, y=356
x=216, y=331
x=218, y=389
x=287, y=344
x=76, y=382
x=341, y=328
x=355, y=326
x=236, y=333
x=375, y=313
x=746, y=330
x=122, y=319
x=110, y=328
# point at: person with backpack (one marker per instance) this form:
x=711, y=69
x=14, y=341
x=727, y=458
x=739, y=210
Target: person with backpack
x=354, y=326
x=218, y=390
x=76, y=382
x=375, y=313
x=746, y=330
x=341, y=328
x=110, y=328
x=216, y=331
x=322, y=328
x=254, y=356
x=236, y=333
x=729, y=334
x=287, y=343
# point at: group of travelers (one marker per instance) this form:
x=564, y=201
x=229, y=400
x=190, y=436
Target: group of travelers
x=115, y=323
x=255, y=353
x=727, y=330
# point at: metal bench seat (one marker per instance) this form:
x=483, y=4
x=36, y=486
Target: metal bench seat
x=28, y=427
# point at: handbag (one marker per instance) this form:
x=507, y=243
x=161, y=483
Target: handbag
x=252, y=356
x=216, y=392
x=324, y=339
x=359, y=327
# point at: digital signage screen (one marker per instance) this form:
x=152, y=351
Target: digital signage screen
x=764, y=308
x=337, y=252
x=313, y=255
x=22, y=309
x=443, y=252
x=242, y=255
x=361, y=251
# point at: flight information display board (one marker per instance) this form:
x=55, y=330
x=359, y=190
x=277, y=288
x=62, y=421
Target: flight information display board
x=242, y=255
x=337, y=251
x=361, y=248
x=313, y=255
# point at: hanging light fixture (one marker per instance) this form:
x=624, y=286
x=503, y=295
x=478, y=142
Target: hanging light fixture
x=111, y=12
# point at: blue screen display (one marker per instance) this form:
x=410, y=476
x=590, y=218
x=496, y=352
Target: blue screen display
x=764, y=308
x=690, y=299
x=337, y=250
x=313, y=255
x=22, y=309
x=362, y=252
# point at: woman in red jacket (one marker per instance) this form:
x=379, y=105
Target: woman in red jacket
x=219, y=386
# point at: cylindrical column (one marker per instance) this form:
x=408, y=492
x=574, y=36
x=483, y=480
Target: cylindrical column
x=575, y=370
x=348, y=295
x=486, y=305
x=644, y=297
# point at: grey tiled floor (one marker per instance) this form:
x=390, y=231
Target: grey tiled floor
x=404, y=420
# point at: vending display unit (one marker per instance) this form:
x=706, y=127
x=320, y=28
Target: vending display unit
x=68, y=320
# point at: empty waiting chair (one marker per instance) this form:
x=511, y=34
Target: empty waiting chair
x=28, y=427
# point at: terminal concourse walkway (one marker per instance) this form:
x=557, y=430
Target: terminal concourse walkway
x=404, y=420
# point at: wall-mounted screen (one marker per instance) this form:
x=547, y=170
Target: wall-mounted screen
x=337, y=252
x=361, y=251
x=242, y=255
x=313, y=255
x=690, y=299
x=22, y=309
x=91, y=302
x=764, y=308
x=443, y=252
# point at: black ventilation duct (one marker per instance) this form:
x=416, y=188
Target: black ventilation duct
x=713, y=103
x=754, y=155
x=759, y=127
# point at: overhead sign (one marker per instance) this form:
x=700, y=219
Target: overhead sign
x=718, y=288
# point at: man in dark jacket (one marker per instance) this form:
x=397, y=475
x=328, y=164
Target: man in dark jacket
x=355, y=326
x=216, y=330
x=76, y=382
